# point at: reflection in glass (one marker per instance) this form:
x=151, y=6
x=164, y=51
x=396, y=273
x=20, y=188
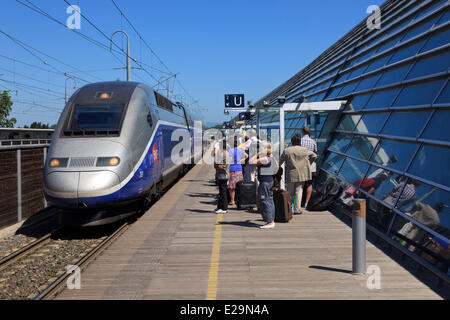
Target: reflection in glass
x=406, y=124
x=419, y=94
x=394, y=154
x=349, y=122
x=432, y=163
x=341, y=142
x=383, y=182
x=362, y=147
x=352, y=170
x=359, y=101
x=333, y=162
x=438, y=128
x=371, y=122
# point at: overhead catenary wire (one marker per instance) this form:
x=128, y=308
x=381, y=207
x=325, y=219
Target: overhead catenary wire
x=151, y=50
x=90, y=39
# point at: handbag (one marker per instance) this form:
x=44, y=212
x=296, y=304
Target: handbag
x=222, y=175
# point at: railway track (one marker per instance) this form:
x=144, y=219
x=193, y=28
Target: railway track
x=38, y=270
x=52, y=290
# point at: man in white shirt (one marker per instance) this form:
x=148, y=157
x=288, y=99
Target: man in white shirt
x=311, y=145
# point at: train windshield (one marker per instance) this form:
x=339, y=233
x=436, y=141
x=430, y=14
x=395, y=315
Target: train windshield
x=96, y=117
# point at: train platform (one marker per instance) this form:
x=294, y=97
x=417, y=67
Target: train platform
x=181, y=249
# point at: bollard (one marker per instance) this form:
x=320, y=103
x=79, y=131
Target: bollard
x=359, y=236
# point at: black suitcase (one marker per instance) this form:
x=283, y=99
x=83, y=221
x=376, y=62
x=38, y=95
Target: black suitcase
x=283, y=210
x=245, y=194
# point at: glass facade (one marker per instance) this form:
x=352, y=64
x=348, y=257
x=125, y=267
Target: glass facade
x=392, y=142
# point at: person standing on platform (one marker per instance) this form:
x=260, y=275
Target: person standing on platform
x=311, y=145
x=251, y=148
x=222, y=164
x=267, y=167
x=298, y=170
x=237, y=155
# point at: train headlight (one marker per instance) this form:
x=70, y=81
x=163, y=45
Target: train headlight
x=59, y=162
x=107, y=161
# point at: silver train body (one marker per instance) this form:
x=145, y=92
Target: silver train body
x=111, y=147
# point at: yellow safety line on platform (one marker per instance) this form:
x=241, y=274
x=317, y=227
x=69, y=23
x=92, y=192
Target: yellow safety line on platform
x=214, y=264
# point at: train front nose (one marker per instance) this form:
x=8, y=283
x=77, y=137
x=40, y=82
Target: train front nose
x=82, y=189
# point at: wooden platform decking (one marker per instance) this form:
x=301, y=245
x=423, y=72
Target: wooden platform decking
x=180, y=249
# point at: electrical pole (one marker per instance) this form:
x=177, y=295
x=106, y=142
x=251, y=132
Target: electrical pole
x=128, y=52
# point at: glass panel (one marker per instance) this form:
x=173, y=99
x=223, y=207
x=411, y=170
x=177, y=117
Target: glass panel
x=333, y=162
x=384, y=183
x=431, y=163
x=341, y=142
x=349, y=122
x=342, y=78
x=431, y=209
x=371, y=122
x=394, y=75
x=437, y=40
x=428, y=10
x=366, y=56
x=406, y=52
x=334, y=93
x=444, y=97
x=394, y=154
x=357, y=72
x=378, y=63
x=406, y=124
x=419, y=94
x=368, y=83
x=352, y=170
x=443, y=19
x=421, y=28
x=436, y=201
x=437, y=129
x=359, y=101
x=430, y=65
x=362, y=147
x=382, y=99
x=388, y=45
x=348, y=88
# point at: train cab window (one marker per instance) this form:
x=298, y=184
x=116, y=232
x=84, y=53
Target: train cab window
x=103, y=117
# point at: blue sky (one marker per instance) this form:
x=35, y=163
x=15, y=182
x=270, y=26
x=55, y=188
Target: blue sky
x=217, y=47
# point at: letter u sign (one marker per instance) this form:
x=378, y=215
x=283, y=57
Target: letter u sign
x=238, y=101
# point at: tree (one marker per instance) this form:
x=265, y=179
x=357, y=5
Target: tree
x=38, y=125
x=5, y=109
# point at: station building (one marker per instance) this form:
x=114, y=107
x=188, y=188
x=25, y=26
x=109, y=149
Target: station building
x=391, y=140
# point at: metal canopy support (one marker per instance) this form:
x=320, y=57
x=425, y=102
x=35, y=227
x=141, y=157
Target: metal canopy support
x=304, y=107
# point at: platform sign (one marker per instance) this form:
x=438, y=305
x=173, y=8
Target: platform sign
x=234, y=101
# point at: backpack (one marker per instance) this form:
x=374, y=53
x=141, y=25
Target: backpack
x=325, y=195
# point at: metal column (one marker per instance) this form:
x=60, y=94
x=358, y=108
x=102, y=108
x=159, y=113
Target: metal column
x=359, y=237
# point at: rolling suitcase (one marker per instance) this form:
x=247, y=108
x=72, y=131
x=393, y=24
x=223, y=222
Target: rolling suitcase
x=282, y=200
x=245, y=194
